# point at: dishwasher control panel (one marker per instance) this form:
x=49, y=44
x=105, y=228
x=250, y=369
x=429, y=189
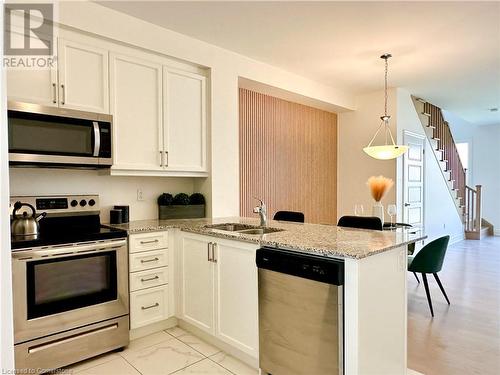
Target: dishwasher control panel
x=312, y=267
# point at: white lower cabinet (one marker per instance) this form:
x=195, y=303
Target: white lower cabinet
x=237, y=295
x=219, y=289
x=149, y=279
x=148, y=306
x=197, y=296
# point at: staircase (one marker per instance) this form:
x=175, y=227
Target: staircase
x=467, y=199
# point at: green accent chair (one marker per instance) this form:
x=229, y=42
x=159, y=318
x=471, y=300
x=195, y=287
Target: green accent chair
x=430, y=260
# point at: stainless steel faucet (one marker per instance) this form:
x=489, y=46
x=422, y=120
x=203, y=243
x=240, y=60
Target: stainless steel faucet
x=261, y=209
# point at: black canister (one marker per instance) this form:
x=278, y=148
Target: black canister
x=125, y=212
x=115, y=216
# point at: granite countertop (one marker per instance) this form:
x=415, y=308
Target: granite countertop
x=318, y=239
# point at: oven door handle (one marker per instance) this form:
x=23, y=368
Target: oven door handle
x=97, y=138
x=68, y=251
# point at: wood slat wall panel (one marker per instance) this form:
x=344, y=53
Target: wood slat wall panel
x=288, y=157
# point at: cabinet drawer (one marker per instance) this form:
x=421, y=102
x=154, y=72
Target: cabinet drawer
x=148, y=241
x=148, y=306
x=147, y=260
x=148, y=279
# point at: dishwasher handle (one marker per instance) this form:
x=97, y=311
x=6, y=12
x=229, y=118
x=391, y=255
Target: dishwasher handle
x=306, y=266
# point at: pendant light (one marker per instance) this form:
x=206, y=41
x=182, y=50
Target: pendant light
x=386, y=151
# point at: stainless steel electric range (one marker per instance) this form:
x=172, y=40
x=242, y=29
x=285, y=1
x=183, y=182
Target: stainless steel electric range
x=70, y=284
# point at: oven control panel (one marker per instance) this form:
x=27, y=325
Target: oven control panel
x=58, y=204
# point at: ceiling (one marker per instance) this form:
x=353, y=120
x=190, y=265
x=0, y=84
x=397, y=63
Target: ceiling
x=445, y=52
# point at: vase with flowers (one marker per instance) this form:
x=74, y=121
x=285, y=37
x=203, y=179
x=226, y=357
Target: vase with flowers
x=379, y=186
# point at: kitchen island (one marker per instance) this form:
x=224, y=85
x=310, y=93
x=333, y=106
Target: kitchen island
x=319, y=239
x=374, y=287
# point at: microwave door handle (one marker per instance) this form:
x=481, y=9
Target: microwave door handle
x=97, y=138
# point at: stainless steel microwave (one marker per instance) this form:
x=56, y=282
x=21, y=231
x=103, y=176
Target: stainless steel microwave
x=57, y=137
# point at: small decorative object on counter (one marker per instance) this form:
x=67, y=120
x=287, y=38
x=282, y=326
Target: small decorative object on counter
x=115, y=216
x=165, y=199
x=379, y=186
x=182, y=206
x=125, y=213
x=181, y=199
x=196, y=198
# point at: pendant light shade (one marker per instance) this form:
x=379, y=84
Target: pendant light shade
x=391, y=150
x=385, y=152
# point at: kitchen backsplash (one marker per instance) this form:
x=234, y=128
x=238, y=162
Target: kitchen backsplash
x=112, y=190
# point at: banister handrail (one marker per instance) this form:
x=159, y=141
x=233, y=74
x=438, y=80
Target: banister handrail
x=447, y=145
x=467, y=199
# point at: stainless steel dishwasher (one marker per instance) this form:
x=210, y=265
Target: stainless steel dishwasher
x=300, y=313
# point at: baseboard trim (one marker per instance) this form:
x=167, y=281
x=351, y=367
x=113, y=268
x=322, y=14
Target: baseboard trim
x=152, y=328
x=244, y=357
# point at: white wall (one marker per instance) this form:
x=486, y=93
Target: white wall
x=355, y=129
x=226, y=68
x=6, y=335
x=486, y=166
x=111, y=189
x=440, y=213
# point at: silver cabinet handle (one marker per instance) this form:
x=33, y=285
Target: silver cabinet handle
x=63, y=95
x=54, y=94
x=146, y=242
x=149, y=260
x=208, y=251
x=150, y=279
x=166, y=155
x=150, y=307
x=162, y=161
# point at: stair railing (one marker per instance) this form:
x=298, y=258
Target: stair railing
x=446, y=144
x=473, y=210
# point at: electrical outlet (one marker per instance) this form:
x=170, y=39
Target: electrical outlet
x=444, y=225
x=140, y=196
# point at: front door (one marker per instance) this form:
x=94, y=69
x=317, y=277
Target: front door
x=413, y=180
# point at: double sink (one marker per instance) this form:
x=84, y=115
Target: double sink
x=243, y=228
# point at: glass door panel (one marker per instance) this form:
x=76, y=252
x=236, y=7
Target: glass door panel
x=68, y=283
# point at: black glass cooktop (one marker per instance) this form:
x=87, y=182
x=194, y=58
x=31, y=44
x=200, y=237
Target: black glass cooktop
x=67, y=230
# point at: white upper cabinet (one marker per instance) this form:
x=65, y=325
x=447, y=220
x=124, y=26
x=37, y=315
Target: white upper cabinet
x=79, y=80
x=37, y=86
x=159, y=113
x=159, y=105
x=83, y=76
x=136, y=91
x=184, y=120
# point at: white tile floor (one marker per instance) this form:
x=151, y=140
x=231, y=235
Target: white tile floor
x=174, y=351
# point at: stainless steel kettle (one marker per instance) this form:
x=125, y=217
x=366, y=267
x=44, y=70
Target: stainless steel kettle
x=25, y=225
